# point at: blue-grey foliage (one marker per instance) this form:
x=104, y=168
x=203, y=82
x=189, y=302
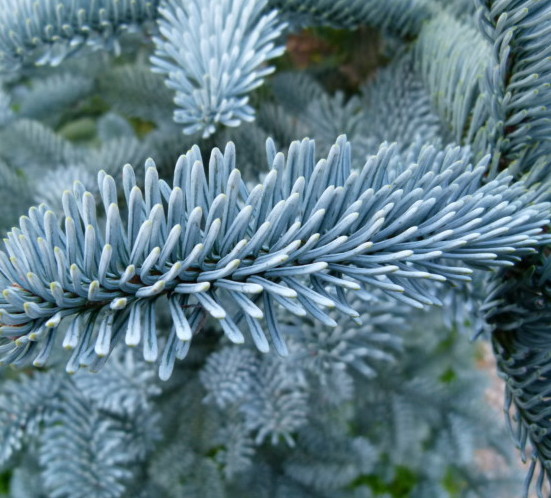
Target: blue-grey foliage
x=111, y=126
x=402, y=18
x=307, y=302
x=47, y=31
x=206, y=240
x=16, y=194
x=227, y=375
x=452, y=57
x=295, y=90
x=6, y=113
x=64, y=90
x=128, y=89
x=461, y=8
x=115, y=420
x=304, y=108
x=396, y=107
x=29, y=144
x=212, y=53
x=24, y=406
x=359, y=343
x=518, y=80
x=422, y=402
x=518, y=307
x=101, y=466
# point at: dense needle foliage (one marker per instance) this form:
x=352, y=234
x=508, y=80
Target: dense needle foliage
x=247, y=243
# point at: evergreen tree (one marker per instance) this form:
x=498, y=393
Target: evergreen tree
x=264, y=275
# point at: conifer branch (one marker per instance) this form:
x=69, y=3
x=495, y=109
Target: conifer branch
x=212, y=244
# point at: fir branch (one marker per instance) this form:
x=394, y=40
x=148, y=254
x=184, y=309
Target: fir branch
x=129, y=89
x=397, y=17
x=358, y=344
x=47, y=31
x=295, y=91
x=63, y=90
x=280, y=124
x=203, y=241
x=518, y=81
x=451, y=58
x=113, y=126
x=291, y=261
x=326, y=460
x=227, y=376
x=81, y=452
x=127, y=386
x=23, y=406
x=306, y=109
x=518, y=307
x=397, y=107
x=30, y=145
x=54, y=182
x=212, y=53
x=278, y=404
x=16, y=193
x=518, y=96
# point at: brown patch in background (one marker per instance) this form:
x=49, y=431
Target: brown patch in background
x=343, y=59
